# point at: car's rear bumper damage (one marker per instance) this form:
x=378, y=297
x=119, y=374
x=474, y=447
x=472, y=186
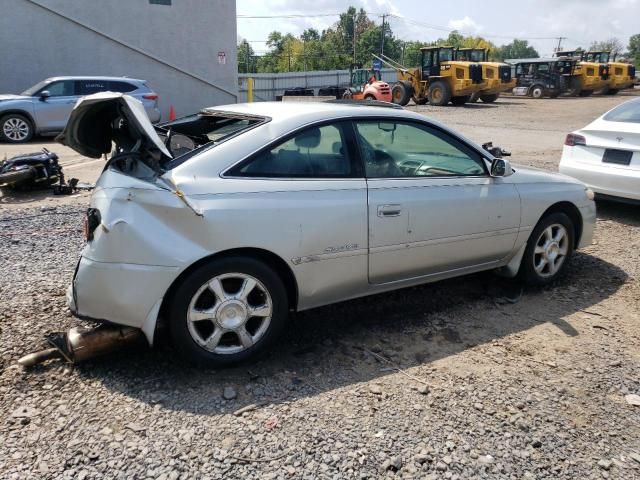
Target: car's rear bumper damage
x=120, y=293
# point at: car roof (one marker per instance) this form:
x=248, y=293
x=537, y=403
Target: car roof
x=86, y=77
x=313, y=111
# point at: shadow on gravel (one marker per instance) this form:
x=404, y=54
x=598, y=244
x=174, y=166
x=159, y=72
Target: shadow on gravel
x=625, y=213
x=329, y=348
x=8, y=196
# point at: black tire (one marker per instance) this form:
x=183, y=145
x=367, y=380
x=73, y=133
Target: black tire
x=439, y=93
x=490, y=98
x=402, y=92
x=347, y=95
x=527, y=272
x=474, y=97
x=537, y=92
x=611, y=91
x=575, y=87
x=585, y=93
x=461, y=100
x=186, y=292
x=369, y=97
x=420, y=100
x=20, y=126
x=9, y=179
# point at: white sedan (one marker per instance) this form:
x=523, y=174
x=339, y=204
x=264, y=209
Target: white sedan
x=606, y=153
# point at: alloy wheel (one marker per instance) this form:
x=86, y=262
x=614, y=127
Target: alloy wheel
x=15, y=129
x=550, y=250
x=229, y=313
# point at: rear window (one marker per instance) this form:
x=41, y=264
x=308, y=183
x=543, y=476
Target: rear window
x=205, y=129
x=627, y=112
x=87, y=87
x=121, y=87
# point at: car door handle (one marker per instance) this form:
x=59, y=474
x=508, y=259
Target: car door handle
x=389, y=210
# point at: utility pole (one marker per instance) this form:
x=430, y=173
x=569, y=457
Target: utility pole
x=355, y=16
x=560, y=43
x=384, y=16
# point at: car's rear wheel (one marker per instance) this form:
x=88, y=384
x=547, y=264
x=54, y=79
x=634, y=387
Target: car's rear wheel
x=548, y=250
x=15, y=128
x=227, y=311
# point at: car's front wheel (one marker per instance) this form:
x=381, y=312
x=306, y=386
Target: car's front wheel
x=15, y=128
x=548, y=250
x=227, y=311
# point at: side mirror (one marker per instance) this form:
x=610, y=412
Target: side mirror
x=44, y=95
x=501, y=168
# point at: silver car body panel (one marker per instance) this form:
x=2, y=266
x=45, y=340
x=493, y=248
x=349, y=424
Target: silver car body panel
x=327, y=231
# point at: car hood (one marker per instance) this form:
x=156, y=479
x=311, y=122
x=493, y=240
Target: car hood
x=534, y=175
x=12, y=97
x=90, y=130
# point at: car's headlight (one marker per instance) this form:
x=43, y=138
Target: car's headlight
x=589, y=193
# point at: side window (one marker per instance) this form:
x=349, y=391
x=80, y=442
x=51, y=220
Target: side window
x=62, y=88
x=121, y=87
x=87, y=87
x=393, y=149
x=317, y=152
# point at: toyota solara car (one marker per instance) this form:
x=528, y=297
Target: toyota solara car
x=222, y=223
x=606, y=153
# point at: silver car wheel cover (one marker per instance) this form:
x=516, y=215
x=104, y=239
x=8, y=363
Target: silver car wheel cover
x=550, y=250
x=230, y=314
x=15, y=129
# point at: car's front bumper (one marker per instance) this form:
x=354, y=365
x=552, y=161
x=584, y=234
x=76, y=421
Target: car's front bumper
x=125, y=294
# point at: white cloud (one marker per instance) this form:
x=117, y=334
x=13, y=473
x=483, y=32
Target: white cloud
x=466, y=24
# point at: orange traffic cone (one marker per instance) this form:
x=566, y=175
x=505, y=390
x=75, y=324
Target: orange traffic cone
x=172, y=113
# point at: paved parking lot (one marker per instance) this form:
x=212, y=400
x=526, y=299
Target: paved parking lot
x=463, y=379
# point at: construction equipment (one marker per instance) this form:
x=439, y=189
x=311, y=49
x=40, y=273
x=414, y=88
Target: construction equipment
x=543, y=77
x=440, y=79
x=621, y=75
x=588, y=76
x=496, y=75
x=367, y=85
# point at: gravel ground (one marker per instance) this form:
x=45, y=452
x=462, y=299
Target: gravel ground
x=463, y=379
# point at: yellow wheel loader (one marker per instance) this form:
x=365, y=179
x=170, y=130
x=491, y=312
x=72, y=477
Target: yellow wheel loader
x=588, y=76
x=496, y=75
x=621, y=75
x=440, y=79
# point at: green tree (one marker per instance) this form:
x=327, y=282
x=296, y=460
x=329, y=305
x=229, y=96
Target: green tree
x=517, y=49
x=612, y=44
x=634, y=48
x=246, y=58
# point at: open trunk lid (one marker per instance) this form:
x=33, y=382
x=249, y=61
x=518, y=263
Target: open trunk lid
x=103, y=118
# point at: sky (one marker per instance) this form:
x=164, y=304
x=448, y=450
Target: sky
x=581, y=21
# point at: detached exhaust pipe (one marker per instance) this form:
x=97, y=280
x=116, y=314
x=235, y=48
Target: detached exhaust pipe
x=80, y=344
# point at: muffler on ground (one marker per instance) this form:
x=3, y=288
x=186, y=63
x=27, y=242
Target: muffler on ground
x=80, y=344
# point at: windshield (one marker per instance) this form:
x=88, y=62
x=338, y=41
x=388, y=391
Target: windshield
x=627, y=112
x=30, y=92
x=471, y=55
x=445, y=54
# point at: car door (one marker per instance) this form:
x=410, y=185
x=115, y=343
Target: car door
x=312, y=187
x=53, y=111
x=432, y=206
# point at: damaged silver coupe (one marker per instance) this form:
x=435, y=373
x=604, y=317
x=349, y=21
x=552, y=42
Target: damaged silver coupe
x=221, y=223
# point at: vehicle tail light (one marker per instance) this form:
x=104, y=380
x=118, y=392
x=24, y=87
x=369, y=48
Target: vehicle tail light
x=573, y=140
x=150, y=96
x=91, y=221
